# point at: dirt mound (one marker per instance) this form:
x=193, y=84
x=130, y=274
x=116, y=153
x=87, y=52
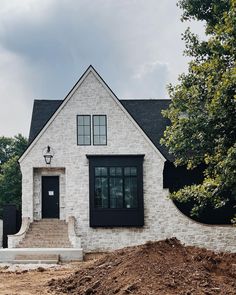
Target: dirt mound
x=165, y=267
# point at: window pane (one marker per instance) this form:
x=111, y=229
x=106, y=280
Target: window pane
x=103, y=171
x=80, y=120
x=112, y=171
x=102, y=121
x=116, y=193
x=96, y=120
x=87, y=139
x=100, y=171
x=96, y=139
x=86, y=130
x=102, y=139
x=101, y=192
x=133, y=171
x=127, y=171
x=131, y=192
x=80, y=130
x=87, y=120
x=80, y=140
x=118, y=171
x=130, y=171
x=115, y=171
x=102, y=130
x=96, y=130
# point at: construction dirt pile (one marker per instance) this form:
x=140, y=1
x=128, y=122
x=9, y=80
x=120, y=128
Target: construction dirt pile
x=165, y=267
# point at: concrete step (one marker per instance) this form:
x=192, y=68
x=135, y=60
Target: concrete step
x=65, y=254
x=36, y=258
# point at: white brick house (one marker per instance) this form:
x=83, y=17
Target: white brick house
x=105, y=178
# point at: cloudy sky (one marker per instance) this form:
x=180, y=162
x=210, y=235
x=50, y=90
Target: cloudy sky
x=45, y=46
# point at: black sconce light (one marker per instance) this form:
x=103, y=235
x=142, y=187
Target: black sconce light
x=48, y=155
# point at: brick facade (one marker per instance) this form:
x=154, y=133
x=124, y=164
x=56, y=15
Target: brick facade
x=162, y=218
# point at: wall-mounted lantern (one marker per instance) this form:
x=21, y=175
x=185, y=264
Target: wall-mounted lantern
x=48, y=155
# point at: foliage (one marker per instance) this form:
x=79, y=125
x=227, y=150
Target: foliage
x=10, y=175
x=203, y=107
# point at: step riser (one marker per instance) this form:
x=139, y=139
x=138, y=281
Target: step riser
x=9, y=255
x=35, y=261
x=44, y=245
x=47, y=237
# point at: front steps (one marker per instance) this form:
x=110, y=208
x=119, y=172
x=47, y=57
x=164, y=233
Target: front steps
x=45, y=241
x=46, y=233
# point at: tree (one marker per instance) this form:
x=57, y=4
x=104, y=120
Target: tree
x=6, y=146
x=203, y=107
x=10, y=175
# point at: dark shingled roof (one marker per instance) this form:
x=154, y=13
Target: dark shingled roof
x=42, y=112
x=147, y=113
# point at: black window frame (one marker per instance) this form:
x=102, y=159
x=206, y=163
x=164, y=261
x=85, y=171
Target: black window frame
x=97, y=115
x=77, y=129
x=116, y=217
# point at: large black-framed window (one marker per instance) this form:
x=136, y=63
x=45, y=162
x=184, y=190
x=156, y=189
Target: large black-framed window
x=116, y=190
x=99, y=130
x=115, y=187
x=83, y=130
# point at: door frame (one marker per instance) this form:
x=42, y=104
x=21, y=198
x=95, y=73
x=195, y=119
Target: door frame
x=45, y=176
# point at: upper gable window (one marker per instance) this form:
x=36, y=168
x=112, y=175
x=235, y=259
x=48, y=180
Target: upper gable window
x=84, y=130
x=99, y=130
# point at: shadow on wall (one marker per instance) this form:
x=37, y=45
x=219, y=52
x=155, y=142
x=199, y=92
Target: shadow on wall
x=178, y=177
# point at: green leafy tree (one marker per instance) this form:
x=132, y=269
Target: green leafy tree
x=6, y=149
x=203, y=107
x=10, y=175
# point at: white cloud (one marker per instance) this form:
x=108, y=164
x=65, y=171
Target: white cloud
x=148, y=68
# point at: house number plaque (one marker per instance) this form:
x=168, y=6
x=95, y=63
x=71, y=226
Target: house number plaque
x=51, y=193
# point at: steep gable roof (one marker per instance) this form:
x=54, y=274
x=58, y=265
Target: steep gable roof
x=146, y=112
x=89, y=70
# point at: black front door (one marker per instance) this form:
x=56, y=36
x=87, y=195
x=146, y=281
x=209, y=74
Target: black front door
x=50, y=196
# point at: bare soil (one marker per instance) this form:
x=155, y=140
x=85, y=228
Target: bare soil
x=165, y=267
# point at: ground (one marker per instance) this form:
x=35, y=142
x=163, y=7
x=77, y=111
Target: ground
x=165, y=267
